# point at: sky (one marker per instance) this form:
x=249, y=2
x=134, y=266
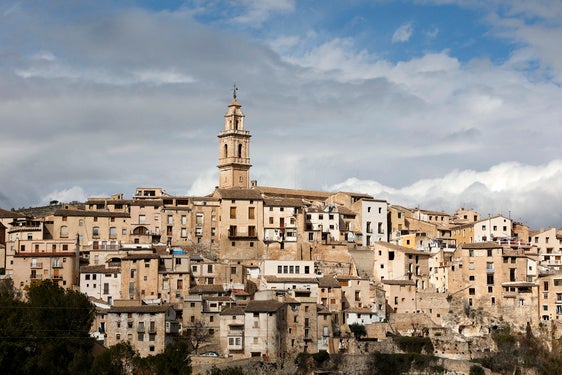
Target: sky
x=437, y=104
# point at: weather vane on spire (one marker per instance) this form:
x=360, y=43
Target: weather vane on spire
x=234, y=91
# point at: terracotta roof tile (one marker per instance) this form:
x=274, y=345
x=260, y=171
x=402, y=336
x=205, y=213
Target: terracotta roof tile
x=263, y=306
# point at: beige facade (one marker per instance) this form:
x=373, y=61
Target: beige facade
x=263, y=328
x=495, y=277
x=240, y=223
x=492, y=228
x=463, y=233
x=40, y=260
x=139, y=276
x=232, y=332
x=550, y=297
x=394, y=262
x=280, y=225
x=549, y=247
x=147, y=327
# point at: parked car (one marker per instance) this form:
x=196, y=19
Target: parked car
x=210, y=354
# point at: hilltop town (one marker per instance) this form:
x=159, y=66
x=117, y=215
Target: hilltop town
x=251, y=271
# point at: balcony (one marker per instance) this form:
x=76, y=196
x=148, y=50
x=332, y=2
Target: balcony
x=141, y=329
x=236, y=333
x=235, y=342
x=35, y=277
x=37, y=265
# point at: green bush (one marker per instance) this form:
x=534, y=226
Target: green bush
x=476, y=370
x=321, y=357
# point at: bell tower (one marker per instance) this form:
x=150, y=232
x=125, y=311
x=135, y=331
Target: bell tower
x=234, y=148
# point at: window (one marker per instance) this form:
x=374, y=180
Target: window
x=251, y=231
x=112, y=232
x=96, y=231
x=232, y=231
x=179, y=284
x=184, y=232
x=199, y=219
x=251, y=212
x=183, y=219
x=233, y=212
x=64, y=231
x=210, y=268
x=271, y=220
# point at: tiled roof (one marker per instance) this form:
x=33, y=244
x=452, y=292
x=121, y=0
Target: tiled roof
x=275, y=279
x=399, y=282
x=328, y=282
x=358, y=195
x=234, y=310
x=293, y=193
x=440, y=213
x=5, y=214
x=360, y=310
x=90, y=213
x=99, y=269
x=218, y=298
x=348, y=277
x=212, y=288
x=243, y=194
x=263, y=306
x=481, y=245
x=141, y=256
x=148, y=202
x=403, y=249
x=141, y=309
x=282, y=202
x=345, y=211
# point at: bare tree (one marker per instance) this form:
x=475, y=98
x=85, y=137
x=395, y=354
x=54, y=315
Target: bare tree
x=197, y=333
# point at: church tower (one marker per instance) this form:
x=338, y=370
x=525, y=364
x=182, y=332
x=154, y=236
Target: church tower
x=234, y=149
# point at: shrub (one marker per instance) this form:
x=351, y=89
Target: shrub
x=414, y=344
x=321, y=357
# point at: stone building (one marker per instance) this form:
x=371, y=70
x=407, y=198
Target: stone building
x=496, y=278
x=149, y=328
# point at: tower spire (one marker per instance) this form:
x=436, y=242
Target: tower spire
x=234, y=148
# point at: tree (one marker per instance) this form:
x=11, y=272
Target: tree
x=118, y=359
x=173, y=361
x=197, y=334
x=48, y=333
x=358, y=330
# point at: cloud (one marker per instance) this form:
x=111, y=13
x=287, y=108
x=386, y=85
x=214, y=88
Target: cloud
x=136, y=97
x=75, y=193
x=257, y=12
x=522, y=191
x=403, y=33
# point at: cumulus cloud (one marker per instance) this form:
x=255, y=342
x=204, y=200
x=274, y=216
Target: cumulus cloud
x=136, y=98
x=528, y=193
x=403, y=33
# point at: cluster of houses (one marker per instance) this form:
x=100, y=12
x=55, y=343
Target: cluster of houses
x=255, y=271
